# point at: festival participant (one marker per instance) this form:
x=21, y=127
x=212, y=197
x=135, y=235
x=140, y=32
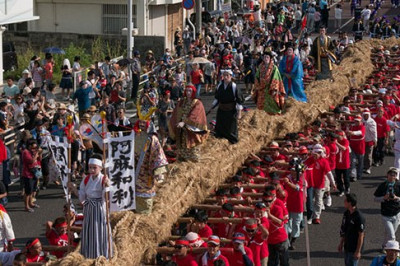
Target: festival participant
x=213, y=253
x=321, y=51
x=382, y=129
x=292, y=72
x=153, y=164
x=200, y=225
x=388, y=194
x=270, y=92
x=229, y=100
x=181, y=256
x=342, y=164
x=95, y=239
x=352, y=231
x=225, y=230
x=371, y=139
x=241, y=255
x=295, y=206
x=321, y=171
x=278, y=243
x=195, y=240
x=356, y=136
x=6, y=231
x=34, y=251
x=56, y=234
x=188, y=125
x=256, y=234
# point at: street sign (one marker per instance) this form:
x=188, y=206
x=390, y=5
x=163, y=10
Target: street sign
x=188, y=4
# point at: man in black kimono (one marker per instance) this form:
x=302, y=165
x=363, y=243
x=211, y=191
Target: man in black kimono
x=229, y=101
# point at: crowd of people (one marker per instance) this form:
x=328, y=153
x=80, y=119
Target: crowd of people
x=273, y=53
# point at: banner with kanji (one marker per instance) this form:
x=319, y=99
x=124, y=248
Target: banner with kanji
x=121, y=172
x=59, y=150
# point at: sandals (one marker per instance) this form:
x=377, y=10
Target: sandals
x=36, y=206
x=29, y=210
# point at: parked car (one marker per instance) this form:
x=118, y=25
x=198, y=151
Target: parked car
x=10, y=61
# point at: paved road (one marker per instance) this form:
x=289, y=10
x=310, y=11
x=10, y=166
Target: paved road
x=324, y=238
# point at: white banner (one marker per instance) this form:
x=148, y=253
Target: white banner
x=60, y=156
x=121, y=171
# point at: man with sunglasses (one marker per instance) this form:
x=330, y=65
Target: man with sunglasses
x=241, y=255
x=278, y=243
x=181, y=256
x=388, y=194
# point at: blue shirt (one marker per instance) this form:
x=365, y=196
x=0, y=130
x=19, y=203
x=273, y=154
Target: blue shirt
x=83, y=98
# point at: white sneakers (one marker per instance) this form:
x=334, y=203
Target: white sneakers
x=328, y=201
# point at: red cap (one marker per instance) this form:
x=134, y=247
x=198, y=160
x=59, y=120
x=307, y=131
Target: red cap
x=303, y=150
x=182, y=242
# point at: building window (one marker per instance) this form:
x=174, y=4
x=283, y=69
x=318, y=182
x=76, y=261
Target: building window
x=115, y=18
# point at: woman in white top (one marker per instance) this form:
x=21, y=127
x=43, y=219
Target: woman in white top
x=95, y=234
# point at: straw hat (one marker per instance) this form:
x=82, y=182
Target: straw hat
x=92, y=108
x=62, y=106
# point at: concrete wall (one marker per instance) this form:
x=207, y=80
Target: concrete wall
x=40, y=40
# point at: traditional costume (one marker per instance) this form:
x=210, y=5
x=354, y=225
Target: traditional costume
x=270, y=91
x=229, y=100
x=291, y=65
x=191, y=112
x=151, y=165
x=94, y=235
x=322, y=53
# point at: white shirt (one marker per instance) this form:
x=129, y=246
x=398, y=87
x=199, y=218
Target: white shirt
x=94, y=189
x=6, y=230
x=370, y=130
x=366, y=13
x=297, y=15
x=338, y=13
x=395, y=125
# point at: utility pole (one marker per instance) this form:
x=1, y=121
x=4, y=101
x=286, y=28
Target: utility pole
x=130, y=29
x=199, y=10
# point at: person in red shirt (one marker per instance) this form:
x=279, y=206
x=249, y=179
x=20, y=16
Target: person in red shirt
x=48, y=68
x=34, y=251
x=225, y=230
x=321, y=170
x=278, y=243
x=356, y=136
x=56, y=234
x=181, y=256
x=30, y=159
x=342, y=170
x=213, y=253
x=331, y=151
x=195, y=240
x=295, y=206
x=200, y=225
x=196, y=78
x=308, y=162
x=382, y=134
x=276, y=155
x=240, y=255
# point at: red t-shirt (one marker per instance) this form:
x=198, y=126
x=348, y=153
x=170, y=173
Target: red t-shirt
x=27, y=164
x=382, y=127
x=38, y=258
x=357, y=143
x=308, y=173
x=333, y=150
x=277, y=233
x=343, y=157
x=57, y=240
x=235, y=258
x=257, y=245
x=49, y=70
x=320, y=169
x=188, y=260
x=295, y=199
x=223, y=229
x=206, y=231
x=195, y=76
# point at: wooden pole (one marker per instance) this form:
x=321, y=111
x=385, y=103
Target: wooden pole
x=107, y=194
x=69, y=125
x=212, y=220
x=223, y=240
x=217, y=208
x=231, y=201
x=170, y=250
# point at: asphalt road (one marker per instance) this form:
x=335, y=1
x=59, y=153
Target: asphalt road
x=324, y=238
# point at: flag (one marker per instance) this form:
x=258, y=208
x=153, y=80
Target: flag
x=303, y=22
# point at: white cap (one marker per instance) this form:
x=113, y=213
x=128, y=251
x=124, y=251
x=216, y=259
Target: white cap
x=194, y=239
x=392, y=245
x=382, y=90
x=345, y=110
x=379, y=102
x=26, y=71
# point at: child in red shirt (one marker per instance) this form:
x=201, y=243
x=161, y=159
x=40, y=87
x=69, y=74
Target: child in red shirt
x=56, y=234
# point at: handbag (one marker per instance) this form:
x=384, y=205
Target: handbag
x=37, y=172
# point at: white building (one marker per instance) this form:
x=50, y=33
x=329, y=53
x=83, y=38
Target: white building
x=99, y=17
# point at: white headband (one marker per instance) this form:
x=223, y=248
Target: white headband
x=96, y=162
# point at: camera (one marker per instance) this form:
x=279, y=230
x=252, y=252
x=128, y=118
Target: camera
x=297, y=165
x=391, y=192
